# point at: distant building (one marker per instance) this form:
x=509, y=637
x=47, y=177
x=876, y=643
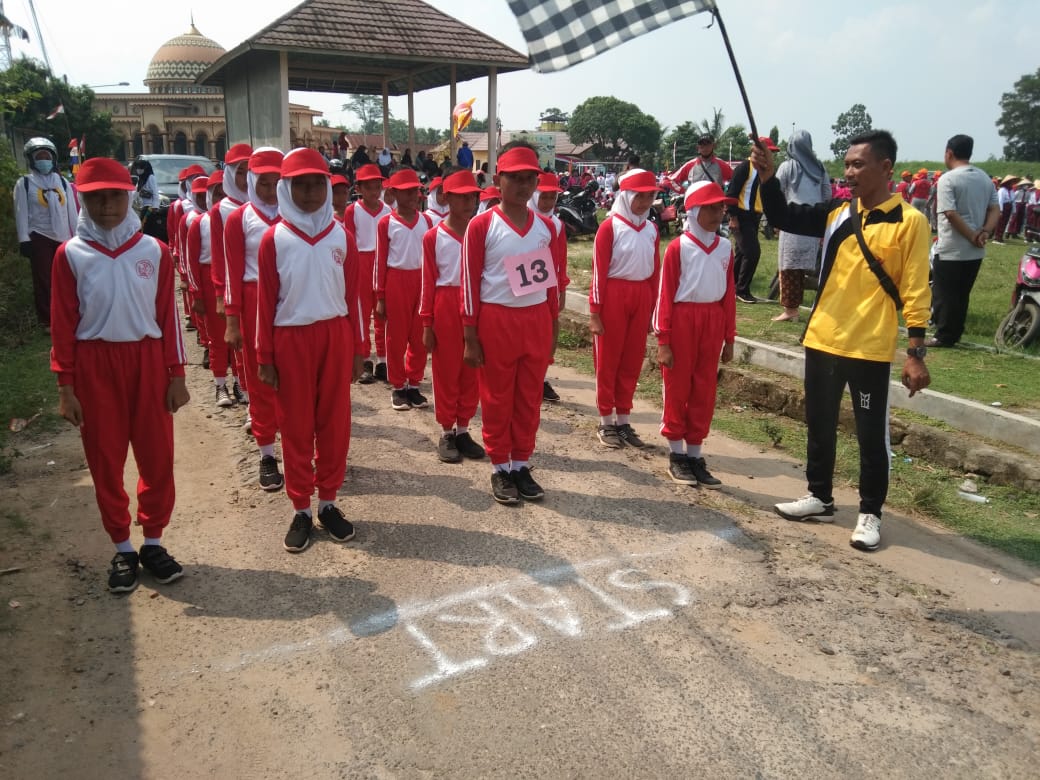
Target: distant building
x=177, y=116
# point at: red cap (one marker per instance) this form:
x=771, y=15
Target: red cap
x=704, y=193
x=548, y=182
x=215, y=178
x=437, y=182
x=102, y=173
x=237, y=154
x=303, y=161
x=191, y=170
x=265, y=161
x=368, y=173
x=404, y=179
x=768, y=143
x=638, y=181
x=459, y=183
x=339, y=179
x=199, y=185
x=517, y=160
x=490, y=192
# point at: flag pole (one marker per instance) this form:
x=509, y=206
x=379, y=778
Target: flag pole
x=736, y=72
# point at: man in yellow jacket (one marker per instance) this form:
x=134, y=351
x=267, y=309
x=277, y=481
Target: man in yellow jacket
x=852, y=331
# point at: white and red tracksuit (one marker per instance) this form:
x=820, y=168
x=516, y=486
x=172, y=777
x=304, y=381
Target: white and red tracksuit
x=397, y=279
x=695, y=315
x=218, y=273
x=242, y=233
x=455, y=392
x=309, y=328
x=117, y=341
x=199, y=248
x=515, y=332
x=193, y=217
x=625, y=269
x=363, y=224
x=174, y=217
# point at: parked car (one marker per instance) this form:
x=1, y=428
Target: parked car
x=167, y=166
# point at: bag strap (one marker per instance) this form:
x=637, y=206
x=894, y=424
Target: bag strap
x=886, y=281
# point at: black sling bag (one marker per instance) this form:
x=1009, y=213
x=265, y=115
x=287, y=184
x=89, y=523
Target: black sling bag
x=883, y=277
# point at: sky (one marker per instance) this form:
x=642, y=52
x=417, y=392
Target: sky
x=924, y=69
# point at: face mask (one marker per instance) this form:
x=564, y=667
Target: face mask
x=44, y=166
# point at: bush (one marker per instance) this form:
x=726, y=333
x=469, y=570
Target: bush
x=17, y=316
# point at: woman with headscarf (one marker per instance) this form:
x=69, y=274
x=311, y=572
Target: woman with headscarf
x=385, y=161
x=803, y=179
x=625, y=268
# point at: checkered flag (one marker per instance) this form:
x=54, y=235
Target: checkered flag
x=561, y=33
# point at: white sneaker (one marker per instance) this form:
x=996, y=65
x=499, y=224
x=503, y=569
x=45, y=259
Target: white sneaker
x=867, y=535
x=247, y=426
x=224, y=397
x=805, y=508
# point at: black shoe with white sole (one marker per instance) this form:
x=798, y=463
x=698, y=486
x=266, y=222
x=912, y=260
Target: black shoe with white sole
x=160, y=564
x=122, y=574
x=468, y=448
x=503, y=489
x=298, y=538
x=528, y=489
x=332, y=520
x=270, y=477
x=704, y=477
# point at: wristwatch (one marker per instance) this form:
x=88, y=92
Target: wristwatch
x=916, y=352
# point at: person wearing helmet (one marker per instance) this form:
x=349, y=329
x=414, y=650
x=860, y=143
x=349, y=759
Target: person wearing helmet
x=45, y=215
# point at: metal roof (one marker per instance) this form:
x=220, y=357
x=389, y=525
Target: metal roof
x=350, y=46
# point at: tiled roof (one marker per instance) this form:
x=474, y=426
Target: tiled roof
x=351, y=45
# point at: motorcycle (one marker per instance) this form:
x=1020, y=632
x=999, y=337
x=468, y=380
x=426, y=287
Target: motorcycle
x=1021, y=326
x=576, y=209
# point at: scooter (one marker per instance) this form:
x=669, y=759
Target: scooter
x=1021, y=326
x=576, y=209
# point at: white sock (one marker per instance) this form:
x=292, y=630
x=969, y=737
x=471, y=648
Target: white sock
x=125, y=547
x=519, y=464
x=693, y=450
x=461, y=429
x=504, y=467
x=220, y=381
x=306, y=511
x=624, y=419
x=606, y=420
x=322, y=504
x=678, y=447
x=153, y=541
x=234, y=379
x=266, y=450
x=380, y=361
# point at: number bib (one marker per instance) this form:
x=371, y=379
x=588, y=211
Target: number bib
x=531, y=272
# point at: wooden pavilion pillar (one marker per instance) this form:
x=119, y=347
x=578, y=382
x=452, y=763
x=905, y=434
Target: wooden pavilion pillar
x=452, y=101
x=492, y=129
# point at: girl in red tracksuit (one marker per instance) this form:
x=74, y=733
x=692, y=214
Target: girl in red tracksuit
x=695, y=320
x=242, y=233
x=191, y=219
x=309, y=341
x=625, y=269
x=119, y=357
x=361, y=218
x=509, y=260
x=176, y=214
x=437, y=201
x=397, y=280
x=543, y=202
x=454, y=383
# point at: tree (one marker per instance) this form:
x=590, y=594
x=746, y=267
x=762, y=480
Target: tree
x=369, y=109
x=714, y=126
x=680, y=144
x=553, y=119
x=729, y=141
x=733, y=143
x=853, y=122
x=1019, y=122
x=614, y=128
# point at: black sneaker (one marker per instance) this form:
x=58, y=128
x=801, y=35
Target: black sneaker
x=224, y=397
x=380, y=372
x=299, y=535
x=447, y=448
x=525, y=484
x=746, y=297
x=704, y=477
x=122, y=574
x=160, y=563
x=416, y=399
x=608, y=436
x=205, y=358
x=399, y=400
x=504, y=489
x=270, y=477
x=548, y=394
x=628, y=435
x=468, y=448
x=189, y=325
x=240, y=395
x=680, y=471
x=332, y=520
x=367, y=377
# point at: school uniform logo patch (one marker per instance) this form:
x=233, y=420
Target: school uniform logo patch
x=145, y=269
x=338, y=256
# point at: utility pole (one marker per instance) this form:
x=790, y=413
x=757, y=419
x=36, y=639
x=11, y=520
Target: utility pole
x=39, y=36
x=6, y=61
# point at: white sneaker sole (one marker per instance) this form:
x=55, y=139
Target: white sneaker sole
x=861, y=545
x=823, y=517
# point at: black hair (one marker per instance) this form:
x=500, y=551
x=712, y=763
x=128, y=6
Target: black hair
x=881, y=143
x=961, y=146
x=633, y=160
x=519, y=144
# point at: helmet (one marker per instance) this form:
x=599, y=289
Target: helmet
x=336, y=165
x=33, y=145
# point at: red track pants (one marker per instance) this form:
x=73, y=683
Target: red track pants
x=691, y=382
x=368, y=305
x=122, y=389
x=405, y=353
x=619, y=353
x=313, y=400
x=215, y=326
x=454, y=383
x=517, y=345
x=261, y=395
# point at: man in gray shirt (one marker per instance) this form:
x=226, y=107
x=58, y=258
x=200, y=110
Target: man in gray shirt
x=966, y=206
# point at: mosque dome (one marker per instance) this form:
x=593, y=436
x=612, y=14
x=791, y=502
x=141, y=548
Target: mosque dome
x=180, y=60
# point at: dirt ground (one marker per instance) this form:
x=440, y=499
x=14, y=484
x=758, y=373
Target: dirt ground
x=625, y=626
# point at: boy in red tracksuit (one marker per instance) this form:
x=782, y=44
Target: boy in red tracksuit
x=361, y=218
x=397, y=281
x=309, y=341
x=695, y=320
x=625, y=269
x=455, y=393
x=508, y=274
x=242, y=233
x=235, y=185
x=543, y=202
x=119, y=357
x=340, y=196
